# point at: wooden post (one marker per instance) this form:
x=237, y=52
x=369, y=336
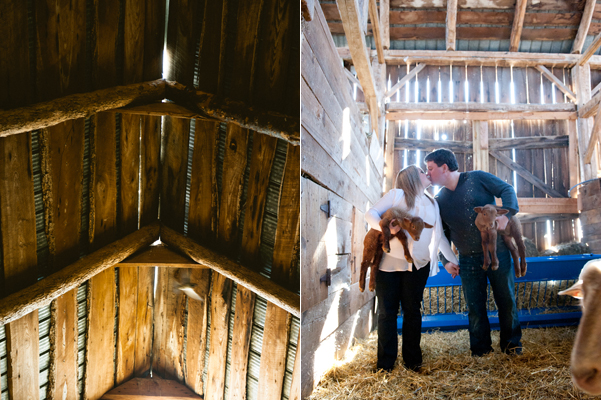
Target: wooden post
x=480, y=132
x=581, y=78
x=451, y=24
x=385, y=23
x=573, y=153
x=518, y=22
x=585, y=23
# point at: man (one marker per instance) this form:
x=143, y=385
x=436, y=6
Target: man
x=461, y=193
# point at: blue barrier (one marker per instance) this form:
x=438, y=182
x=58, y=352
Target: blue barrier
x=443, y=307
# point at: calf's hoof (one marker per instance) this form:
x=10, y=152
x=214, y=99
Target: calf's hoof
x=485, y=267
x=494, y=267
x=409, y=259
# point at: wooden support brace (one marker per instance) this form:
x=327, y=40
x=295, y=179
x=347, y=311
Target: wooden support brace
x=385, y=23
x=262, y=286
x=352, y=78
x=43, y=292
x=585, y=23
x=377, y=30
x=405, y=79
x=560, y=85
x=518, y=23
x=592, y=49
x=527, y=175
x=451, y=24
x=596, y=89
x=590, y=108
x=595, y=136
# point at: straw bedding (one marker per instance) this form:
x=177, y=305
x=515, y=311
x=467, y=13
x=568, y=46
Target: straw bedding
x=449, y=372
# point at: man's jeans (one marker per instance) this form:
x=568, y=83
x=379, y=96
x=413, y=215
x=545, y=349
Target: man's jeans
x=473, y=281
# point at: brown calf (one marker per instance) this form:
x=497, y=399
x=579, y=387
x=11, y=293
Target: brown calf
x=376, y=242
x=487, y=225
x=586, y=354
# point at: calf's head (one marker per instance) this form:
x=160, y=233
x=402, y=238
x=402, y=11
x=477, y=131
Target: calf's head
x=586, y=354
x=486, y=218
x=414, y=226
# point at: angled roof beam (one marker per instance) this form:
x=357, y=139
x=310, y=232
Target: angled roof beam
x=385, y=23
x=479, y=58
x=251, y=280
x=405, y=79
x=352, y=78
x=44, y=291
x=557, y=82
x=377, y=29
x=590, y=107
x=359, y=53
x=595, y=136
x=585, y=23
x=451, y=24
x=518, y=23
x=590, y=50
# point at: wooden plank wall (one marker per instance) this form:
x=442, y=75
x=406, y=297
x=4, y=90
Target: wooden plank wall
x=549, y=165
x=349, y=180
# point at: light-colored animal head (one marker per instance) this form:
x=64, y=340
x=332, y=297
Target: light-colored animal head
x=414, y=226
x=486, y=218
x=586, y=354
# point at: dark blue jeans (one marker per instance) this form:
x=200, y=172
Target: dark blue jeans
x=406, y=287
x=473, y=281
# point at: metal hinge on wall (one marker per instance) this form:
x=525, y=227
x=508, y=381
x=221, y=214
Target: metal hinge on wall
x=326, y=208
x=327, y=278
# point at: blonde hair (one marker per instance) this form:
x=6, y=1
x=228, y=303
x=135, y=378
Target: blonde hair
x=409, y=181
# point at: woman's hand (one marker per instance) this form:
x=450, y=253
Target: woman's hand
x=452, y=269
x=394, y=228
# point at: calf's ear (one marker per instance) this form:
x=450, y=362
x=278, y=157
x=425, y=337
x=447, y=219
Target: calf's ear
x=427, y=225
x=478, y=209
x=575, y=290
x=502, y=211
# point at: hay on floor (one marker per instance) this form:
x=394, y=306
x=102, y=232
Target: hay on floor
x=449, y=372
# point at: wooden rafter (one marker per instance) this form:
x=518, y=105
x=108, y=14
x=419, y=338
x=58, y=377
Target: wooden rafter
x=351, y=21
x=588, y=54
x=264, y=287
x=518, y=23
x=385, y=23
x=480, y=58
x=376, y=29
x=585, y=23
x=592, y=143
x=142, y=98
x=44, y=291
x=479, y=111
x=451, y=24
x=150, y=388
x=524, y=173
x=404, y=81
x=560, y=85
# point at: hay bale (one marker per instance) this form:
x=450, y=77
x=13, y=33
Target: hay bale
x=449, y=372
x=565, y=249
x=531, y=250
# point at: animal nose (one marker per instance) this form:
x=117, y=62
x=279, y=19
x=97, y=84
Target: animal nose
x=587, y=379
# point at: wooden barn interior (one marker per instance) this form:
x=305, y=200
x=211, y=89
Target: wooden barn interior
x=512, y=87
x=149, y=199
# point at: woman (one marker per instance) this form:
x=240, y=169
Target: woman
x=399, y=281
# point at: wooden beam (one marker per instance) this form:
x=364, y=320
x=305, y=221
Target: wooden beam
x=308, y=9
x=573, y=153
x=481, y=58
x=150, y=389
x=405, y=79
x=585, y=23
x=524, y=173
x=596, y=89
x=478, y=111
x=159, y=256
x=532, y=205
x=520, y=143
x=591, y=107
x=376, y=29
x=352, y=78
x=581, y=80
x=275, y=340
x=351, y=21
x=385, y=23
x=592, y=142
x=560, y=85
x=43, y=292
x=209, y=106
x=451, y=24
x=518, y=23
x=49, y=113
x=257, y=283
x=590, y=50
